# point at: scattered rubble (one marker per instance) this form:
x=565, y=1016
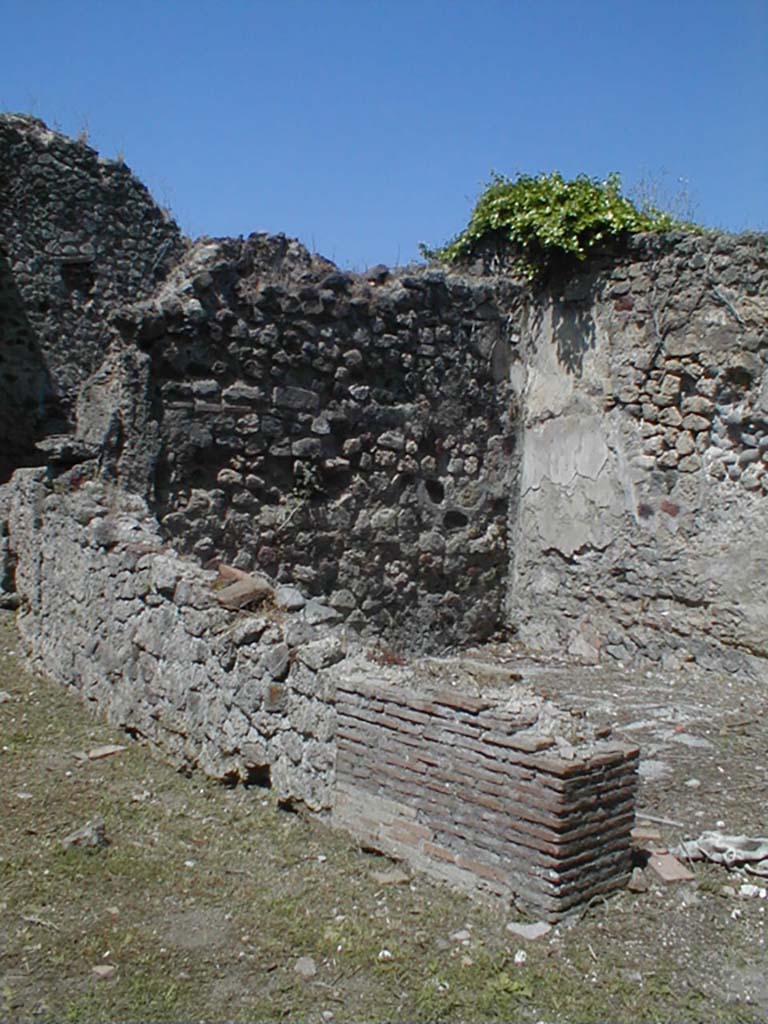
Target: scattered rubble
x=392, y=876
x=92, y=836
x=668, y=868
x=306, y=968
x=108, y=750
x=104, y=971
x=535, y=930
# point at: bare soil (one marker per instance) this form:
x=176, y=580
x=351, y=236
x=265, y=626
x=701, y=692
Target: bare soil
x=207, y=898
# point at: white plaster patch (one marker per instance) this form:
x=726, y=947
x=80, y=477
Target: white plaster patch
x=563, y=449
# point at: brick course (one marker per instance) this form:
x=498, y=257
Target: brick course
x=451, y=783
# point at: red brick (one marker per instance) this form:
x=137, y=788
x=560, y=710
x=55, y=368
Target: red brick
x=462, y=702
x=407, y=714
x=526, y=744
x=439, y=853
x=477, y=867
x=669, y=869
x=448, y=728
x=430, y=758
x=560, y=827
x=408, y=832
x=487, y=801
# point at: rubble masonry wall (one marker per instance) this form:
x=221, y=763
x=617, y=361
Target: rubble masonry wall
x=109, y=609
x=347, y=433
x=79, y=236
x=644, y=481
x=422, y=456
x=440, y=456
x=495, y=790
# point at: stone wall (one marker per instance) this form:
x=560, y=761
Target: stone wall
x=349, y=433
x=442, y=457
x=644, y=483
x=79, y=236
x=109, y=609
x=485, y=785
x=421, y=457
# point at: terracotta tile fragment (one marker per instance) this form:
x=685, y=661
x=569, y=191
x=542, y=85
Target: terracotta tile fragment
x=669, y=869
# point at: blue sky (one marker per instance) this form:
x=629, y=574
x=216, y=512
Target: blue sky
x=364, y=127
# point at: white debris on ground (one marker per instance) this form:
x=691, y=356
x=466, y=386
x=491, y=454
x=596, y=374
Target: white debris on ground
x=732, y=851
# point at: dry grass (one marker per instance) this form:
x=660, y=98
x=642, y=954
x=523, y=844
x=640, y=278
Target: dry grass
x=207, y=896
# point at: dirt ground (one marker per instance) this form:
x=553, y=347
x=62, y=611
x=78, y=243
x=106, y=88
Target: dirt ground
x=211, y=904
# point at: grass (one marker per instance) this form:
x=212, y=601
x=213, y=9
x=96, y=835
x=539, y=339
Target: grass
x=207, y=896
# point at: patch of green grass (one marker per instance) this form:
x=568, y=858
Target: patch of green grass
x=144, y=998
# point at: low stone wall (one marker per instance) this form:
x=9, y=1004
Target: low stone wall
x=488, y=787
x=477, y=790
x=108, y=608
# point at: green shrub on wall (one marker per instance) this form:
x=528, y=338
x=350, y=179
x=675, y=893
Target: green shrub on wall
x=546, y=218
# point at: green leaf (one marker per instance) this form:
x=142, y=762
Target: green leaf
x=546, y=216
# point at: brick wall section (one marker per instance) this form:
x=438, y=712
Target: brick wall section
x=452, y=784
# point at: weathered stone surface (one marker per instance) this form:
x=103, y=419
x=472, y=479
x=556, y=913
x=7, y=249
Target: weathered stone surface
x=357, y=437
x=428, y=457
x=245, y=592
x=248, y=630
x=321, y=653
x=316, y=613
x=92, y=836
x=655, y=534
x=86, y=234
x=290, y=599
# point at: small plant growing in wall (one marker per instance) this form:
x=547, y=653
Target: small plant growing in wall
x=546, y=220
